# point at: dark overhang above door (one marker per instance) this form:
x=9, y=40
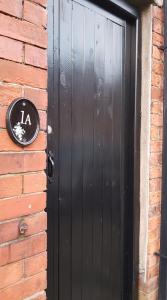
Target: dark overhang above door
x=140, y=3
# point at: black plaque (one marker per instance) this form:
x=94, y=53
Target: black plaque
x=22, y=121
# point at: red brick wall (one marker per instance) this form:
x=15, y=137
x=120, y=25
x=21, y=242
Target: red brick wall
x=23, y=72
x=149, y=285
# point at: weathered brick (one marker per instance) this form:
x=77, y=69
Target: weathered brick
x=6, y=144
x=14, y=9
x=27, y=247
x=23, y=31
x=157, y=93
x=9, y=230
x=158, y=67
x=9, y=92
x=11, y=273
x=10, y=186
x=155, y=172
x=21, y=206
x=154, y=210
x=158, y=53
x=39, y=97
x=154, y=222
x=154, y=247
x=155, y=185
x=155, y=159
x=11, y=49
x=22, y=74
x=35, y=13
x=35, y=264
x=158, y=40
x=156, y=146
x=157, y=120
x=158, y=13
x=34, y=182
x=25, y=287
x=158, y=26
x=35, y=56
x=3, y=110
x=152, y=272
x=43, y=119
x=157, y=107
x=157, y=80
x=22, y=162
x=155, y=133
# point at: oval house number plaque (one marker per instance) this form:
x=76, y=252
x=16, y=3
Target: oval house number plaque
x=23, y=121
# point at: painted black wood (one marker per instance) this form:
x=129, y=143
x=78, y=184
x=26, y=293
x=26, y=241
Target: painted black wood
x=91, y=114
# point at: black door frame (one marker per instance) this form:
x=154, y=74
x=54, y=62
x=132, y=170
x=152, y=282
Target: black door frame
x=129, y=12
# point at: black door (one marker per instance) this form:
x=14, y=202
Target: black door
x=90, y=140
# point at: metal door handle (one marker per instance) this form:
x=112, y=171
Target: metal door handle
x=51, y=166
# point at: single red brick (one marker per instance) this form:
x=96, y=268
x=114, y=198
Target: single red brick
x=156, y=146
x=155, y=172
x=9, y=92
x=155, y=185
x=158, y=40
x=158, y=54
x=11, y=49
x=158, y=13
x=3, y=111
x=155, y=133
x=155, y=197
x=43, y=119
x=154, y=247
x=157, y=107
x=22, y=74
x=10, y=274
x=35, y=264
x=10, y=230
x=154, y=223
x=155, y=159
x=22, y=162
x=35, y=13
x=157, y=120
x=157, y=93
x=34, y=182
x=39, y=97
x=25, y=288
x=158, y=26
x=152, y=272
x=158, y=67
x=35, y=56
x=22, y=206
x=10, y=186
x=23, y=31
x=27, y=247
x=14, y=9
x=157, y=80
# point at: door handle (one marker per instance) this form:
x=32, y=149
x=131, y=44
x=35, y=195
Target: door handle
x=51, y=166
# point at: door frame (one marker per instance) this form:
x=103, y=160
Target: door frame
x=130, y=13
